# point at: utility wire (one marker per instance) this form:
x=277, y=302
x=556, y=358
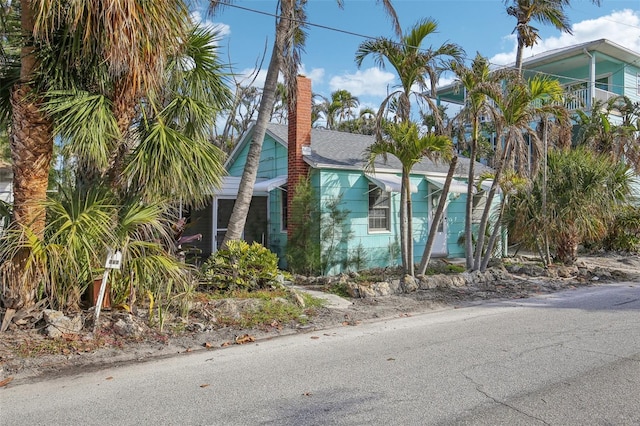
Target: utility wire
x=368, y=37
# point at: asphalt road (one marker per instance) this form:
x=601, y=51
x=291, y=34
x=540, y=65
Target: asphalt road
x=570, y=358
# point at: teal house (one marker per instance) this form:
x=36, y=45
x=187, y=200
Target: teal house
x=594, y=71
x=335, y=164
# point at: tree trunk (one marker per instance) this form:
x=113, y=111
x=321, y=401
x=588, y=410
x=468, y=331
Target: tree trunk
x=437, y=217
x=31, y=151
x=484, y=221
x=406, y=188
x=567, y=250
x=519, y=55
x=124, y=111
x=404, y=248
x=494, y=235
x=468, y=231
x=247, y=182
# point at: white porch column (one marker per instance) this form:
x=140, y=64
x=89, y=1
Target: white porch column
x=592, y=79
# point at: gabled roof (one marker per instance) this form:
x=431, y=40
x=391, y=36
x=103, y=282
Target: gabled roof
x=605, y=46
x=331, y=149
x=557, y=61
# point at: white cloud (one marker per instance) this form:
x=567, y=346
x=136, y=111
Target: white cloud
x=223, y=30
x=316, y=75
x=371, y=81
x=626, y=34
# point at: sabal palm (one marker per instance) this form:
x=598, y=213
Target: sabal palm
x=413, y=64
x=167, y=148
x=120, y=42
x=543, y=11
x=81, y=225
x=403, y=141
x=285, y=57
x=585, y=189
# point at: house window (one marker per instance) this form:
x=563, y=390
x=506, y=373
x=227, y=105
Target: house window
x=638, y=82
x=379, y=209
x=602, y=83
x=283, y=208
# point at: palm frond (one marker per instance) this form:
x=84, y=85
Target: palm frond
x=86, y=124
x=167, y=163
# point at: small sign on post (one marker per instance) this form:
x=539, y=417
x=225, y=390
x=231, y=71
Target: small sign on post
x=114, y=261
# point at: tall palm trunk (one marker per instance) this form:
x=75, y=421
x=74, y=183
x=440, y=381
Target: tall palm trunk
x=31, y=152
x=484, y=221
x=407, y=220
x=404, y=248
x=468, y=231
x=519, y=55
x=245, y=192
x=437, y=217
x=124, y=110
x=497, y=228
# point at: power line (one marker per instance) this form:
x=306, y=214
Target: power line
x=368, y=37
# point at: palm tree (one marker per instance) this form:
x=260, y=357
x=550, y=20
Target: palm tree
x=618, y=140
x=364, y=123
x=342, y=102
x=403, y=141
x=480, y=84
x=519, y=105
x=585, y=190
x=414, y=65
x=285, y=57
x=544, y=11
x=93, y=97
x=167, y=149
x=31, y=135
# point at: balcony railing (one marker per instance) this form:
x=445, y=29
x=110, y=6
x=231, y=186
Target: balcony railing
x=579, y=99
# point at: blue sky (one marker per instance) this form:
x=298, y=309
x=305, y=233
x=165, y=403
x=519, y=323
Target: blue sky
x=476, y=25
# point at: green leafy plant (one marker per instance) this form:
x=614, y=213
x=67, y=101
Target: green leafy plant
x=241, y=266
x=334, y=235
x=303, y=248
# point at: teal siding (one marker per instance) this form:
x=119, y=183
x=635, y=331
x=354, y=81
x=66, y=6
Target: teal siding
x=381, y=248
x=455, y=225
x=631, y=82
x=273, y=163
x=273, y=160
x=374, y=248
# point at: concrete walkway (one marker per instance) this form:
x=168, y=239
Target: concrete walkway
x=333, y=301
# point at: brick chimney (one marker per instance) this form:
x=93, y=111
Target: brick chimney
x=299, y=136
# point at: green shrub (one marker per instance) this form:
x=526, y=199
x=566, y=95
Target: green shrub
x=241, y=266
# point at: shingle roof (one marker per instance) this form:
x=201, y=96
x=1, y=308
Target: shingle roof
x=342, y=150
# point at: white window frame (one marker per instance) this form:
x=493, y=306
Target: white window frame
x=374, y=189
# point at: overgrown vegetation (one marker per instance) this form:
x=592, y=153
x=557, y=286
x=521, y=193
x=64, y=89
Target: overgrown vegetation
x=241, y=266
x=303, y=248
x=320, y=237
x=587, y=199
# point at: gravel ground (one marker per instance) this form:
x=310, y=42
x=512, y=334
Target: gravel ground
x=19, y=349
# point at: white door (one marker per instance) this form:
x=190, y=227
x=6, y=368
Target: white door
x=440, y=243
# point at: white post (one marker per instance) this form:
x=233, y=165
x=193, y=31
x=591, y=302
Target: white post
x=114, y=260
x=103, y=288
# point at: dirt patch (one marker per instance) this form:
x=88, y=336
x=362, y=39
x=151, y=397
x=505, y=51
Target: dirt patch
x=20, y=350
